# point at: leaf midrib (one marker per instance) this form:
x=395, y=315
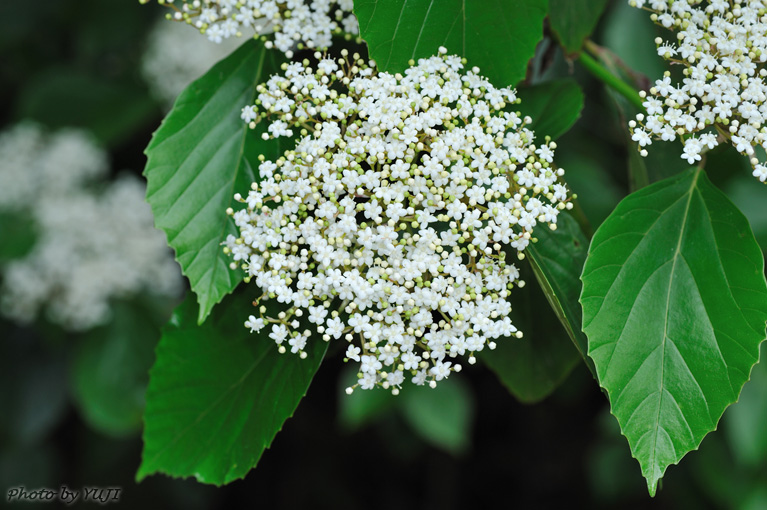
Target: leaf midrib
x=676, y=257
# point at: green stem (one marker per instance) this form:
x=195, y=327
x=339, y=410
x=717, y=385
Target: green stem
x=611, y=80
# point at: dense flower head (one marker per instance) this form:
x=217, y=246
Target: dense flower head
x=392, y=223
x=94, y=241
x=293, y=22
x=722, y=48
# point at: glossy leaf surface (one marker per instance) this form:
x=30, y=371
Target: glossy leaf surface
x=674, y=306
x=498, y=36
x=218, y=394
x=200, y=157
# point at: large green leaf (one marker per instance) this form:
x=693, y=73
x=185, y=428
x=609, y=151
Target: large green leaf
x=674, y=306
x=554, y=106
x=533, y=366
x=574, y=20
x=218, y=394
x=201, y=155
x=557, y=260
x=110, y=369
x=498, y=36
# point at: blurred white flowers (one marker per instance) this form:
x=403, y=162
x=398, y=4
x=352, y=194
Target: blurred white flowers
x=391, y=222
x=95, y=240
x=175, y=56
x=721, y=46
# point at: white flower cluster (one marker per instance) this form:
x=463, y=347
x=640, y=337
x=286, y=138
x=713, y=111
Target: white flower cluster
x=293, y=22
x=387, y=224
x=166, y=63
x=721, y=46
x=94, y=241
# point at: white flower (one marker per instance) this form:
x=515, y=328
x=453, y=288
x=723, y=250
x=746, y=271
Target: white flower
x=317, y=314
x=641, y=137
x=297, y=343
x=419, y=378
x=760, y=172
x=370, y=365
x=394, y=212
x=279, y=333
x=255, y=324
x=334, y=328
x=440, y=370
x=666, y=51
x=396, y=378
x=368, y=381
x=353, y=352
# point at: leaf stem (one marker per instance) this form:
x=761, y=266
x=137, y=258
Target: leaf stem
x=602, y=74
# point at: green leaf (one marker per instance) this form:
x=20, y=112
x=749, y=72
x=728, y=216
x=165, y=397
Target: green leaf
x=442, y=416
x=218, y=394
x=201, y=155
x=630, y=34
x=628, y=57
x=574, y=20
x=557, y=260
x=674, y=306
x=533, y=366
x=554, y=107
x=110, y=370
x=498, y=36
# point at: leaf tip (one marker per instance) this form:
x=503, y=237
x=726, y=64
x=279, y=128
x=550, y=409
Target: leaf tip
x=142, y=473
x=652, y=485
x=204, y=310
